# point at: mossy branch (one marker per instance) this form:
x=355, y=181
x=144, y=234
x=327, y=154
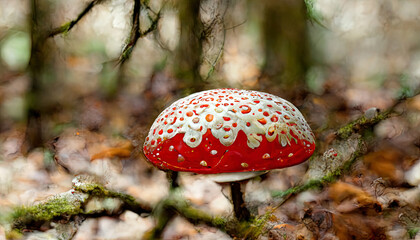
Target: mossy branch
x=348, y=146
x=128, y=201
x=326, y=179
x=351, y=132
x=176, y=204
x=194, y=215
x=364, y=122
x=66, y=206
x=66, y=27
x=61, y=207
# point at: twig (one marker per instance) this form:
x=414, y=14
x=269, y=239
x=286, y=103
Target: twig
x=69, y=25
x=153, y=26
x=219, y=56
x=135, y=32
x=312, y=14
x=361, y=124
x=134, y=36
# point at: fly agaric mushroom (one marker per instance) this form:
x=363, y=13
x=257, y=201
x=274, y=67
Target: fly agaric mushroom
x=232, y=133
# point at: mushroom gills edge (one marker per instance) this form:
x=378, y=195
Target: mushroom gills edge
x=232, y=176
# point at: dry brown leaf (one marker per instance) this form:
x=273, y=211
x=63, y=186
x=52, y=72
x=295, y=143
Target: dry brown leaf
x=414, y=103
x=341, y=193
x=318, y=221
x=386, y=164
x=356, y=226
x=284, y=226
x=286, y=231
x=122, y=151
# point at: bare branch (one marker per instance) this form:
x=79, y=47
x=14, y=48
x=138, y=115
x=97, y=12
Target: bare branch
x=135, y=32
x=69, y=25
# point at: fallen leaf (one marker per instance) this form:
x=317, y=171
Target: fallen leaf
x=122, y=151
x=386, y=164
x=283, y=231
x=356, y=226
x=318, y=221
x=344, y=194
x=285, y=226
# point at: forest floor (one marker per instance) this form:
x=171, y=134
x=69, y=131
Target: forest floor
x=375, y=196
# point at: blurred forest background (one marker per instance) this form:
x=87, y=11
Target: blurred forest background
x=81, y=82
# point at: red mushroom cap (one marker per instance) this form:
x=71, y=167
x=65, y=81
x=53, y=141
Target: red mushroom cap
x=229, y=130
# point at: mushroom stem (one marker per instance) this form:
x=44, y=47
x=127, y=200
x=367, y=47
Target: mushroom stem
x=241, y=212
x=172, y=177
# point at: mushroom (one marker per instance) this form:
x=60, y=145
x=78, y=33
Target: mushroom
x=231, y=135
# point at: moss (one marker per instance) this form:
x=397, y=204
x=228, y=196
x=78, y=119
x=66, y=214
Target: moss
x=97, y=190
x=65, y=27
x=311, y=184
x=92, y=189
x=219, y=221
x=67, y=205
x=346, y=131
x=14, y=234
x=361, y=124
x=327, y=178
x=312, y=14
x=192, y=214
x=259, y=224
x=412, y=232
x=60, y=207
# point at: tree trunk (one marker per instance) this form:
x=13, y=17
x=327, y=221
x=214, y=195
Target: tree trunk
x=285, y=46
x=35, y=131
x=189, y=51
